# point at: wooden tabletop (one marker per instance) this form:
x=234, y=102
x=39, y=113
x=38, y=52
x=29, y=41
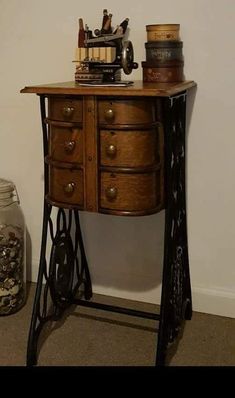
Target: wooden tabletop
x=137, y=89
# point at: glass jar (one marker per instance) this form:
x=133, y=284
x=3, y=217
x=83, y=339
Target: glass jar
x=12, y=250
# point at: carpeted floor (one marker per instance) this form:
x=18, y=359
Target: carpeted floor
x=88, y=337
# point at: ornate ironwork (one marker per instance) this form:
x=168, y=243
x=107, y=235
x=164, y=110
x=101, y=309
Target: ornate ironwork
x=176, y=303
x=65, y=273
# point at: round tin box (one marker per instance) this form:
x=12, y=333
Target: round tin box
x=164, y=51
x=163, y=32
x=164, y=73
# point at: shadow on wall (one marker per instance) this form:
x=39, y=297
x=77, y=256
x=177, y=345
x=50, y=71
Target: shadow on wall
x=189, y=107
x=28, y=256
x=125, y=253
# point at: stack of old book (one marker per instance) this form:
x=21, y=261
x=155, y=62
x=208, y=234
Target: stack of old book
x=164, y=58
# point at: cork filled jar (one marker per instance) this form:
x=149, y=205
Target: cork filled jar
x=12, y=250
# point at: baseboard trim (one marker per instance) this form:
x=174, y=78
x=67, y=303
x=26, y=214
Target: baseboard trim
x=214, y=301
x=210, y=301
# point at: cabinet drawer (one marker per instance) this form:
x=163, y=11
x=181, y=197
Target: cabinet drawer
x=66, y=185
x=65, y=109
x=133, y=148
x=130, y=192
x=126, y=111
x=66, y=144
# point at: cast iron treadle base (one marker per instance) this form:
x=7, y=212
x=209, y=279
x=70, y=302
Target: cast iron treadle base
x=64, y=274
x=176, y=302
x=67, y=271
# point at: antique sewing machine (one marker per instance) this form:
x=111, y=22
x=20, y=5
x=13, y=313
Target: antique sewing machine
x=101, y=57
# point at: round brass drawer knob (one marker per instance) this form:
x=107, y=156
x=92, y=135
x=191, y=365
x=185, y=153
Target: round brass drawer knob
x=69, y=188
x=111, y=193
x=109, y=115
x=111, y=150
x=69, y=146
x=68, y=111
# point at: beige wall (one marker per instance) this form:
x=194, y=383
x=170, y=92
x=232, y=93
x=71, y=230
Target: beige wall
x=37, y=41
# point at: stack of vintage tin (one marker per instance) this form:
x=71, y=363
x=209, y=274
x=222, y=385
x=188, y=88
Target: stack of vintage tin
x=164, y=58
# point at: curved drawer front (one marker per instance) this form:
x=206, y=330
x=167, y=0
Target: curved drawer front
x=128, y=111
x=66, y=144
x=65, y=109
x=66, y=185
x=130, y=192
x=133, y=148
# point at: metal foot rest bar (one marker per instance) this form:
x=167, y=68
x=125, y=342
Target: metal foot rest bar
x=120, y=310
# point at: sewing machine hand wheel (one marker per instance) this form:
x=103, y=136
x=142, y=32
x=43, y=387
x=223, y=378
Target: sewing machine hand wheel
x=128, y=57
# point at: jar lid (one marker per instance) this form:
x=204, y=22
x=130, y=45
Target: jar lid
x=6, y=186
x=7, y=189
